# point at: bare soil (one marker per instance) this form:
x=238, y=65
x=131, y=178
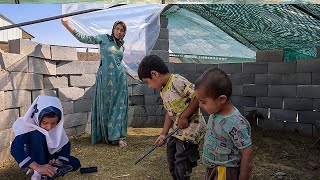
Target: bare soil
x=273, y=152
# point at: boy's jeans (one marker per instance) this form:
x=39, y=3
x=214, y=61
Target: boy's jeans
x=182, y=157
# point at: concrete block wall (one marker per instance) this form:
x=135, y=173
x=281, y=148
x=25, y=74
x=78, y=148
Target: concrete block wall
x=287, y=94
x=30, y=69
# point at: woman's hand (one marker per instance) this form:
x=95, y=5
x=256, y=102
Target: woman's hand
x=65, y=22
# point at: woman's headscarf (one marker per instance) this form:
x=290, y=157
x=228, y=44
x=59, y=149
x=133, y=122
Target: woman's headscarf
x=119, y=42
x=56, y=137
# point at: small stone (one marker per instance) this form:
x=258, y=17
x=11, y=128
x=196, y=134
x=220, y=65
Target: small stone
x=280, y=174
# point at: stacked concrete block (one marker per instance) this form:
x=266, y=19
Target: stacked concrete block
x=44, y=92
x=315, y=78
x=17, y=98
x=73, y=67
x=13, y=62
x=6, y=137
x=7, y=118
x=84, y=80
x=60, y=53
x=70, y=93
x=305, y=129
x=269, y=56
x=51, y=82
x=42, y=66
x=30, y=48
x=161, y=47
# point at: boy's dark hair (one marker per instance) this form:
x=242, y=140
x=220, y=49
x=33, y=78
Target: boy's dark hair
x=151, y=63
x=216, y=83
x=50, y=115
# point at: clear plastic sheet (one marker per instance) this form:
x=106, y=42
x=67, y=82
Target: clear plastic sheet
x=143, y=27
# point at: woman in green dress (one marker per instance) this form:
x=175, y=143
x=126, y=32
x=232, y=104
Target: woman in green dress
x=110, y=101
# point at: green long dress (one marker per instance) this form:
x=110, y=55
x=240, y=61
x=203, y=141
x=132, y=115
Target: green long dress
x=110, y=100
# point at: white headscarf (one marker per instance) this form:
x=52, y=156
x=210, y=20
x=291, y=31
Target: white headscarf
x=56, y=137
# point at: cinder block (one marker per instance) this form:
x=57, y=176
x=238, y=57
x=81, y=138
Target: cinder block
x=263, y=111
x=302, y=104
x=296, y=79
x=47, y=92
x=151, y=110
x=141, y=89
x=237, y=90
x=268, y=79
x=85, y=80
x=311, y=91
x=163, y=21
x=231, y=68
x=68, y=107
x=60, y=53
x=30, y=48
x=305, y=129
x=160, y=111
x=184, y=68
x=269, y=56
x=308, y=116
x=201, y=68
x=89, y=92
x=132, y=81
x=55, y=82
x=136, y=100
x=131, y=111
x=253, y=67
x=76, y=119
x=283, y=115
x=90, y=67
x=42, y=66
x=18, y=98
x=160, y=121
x=2, y=100
x=170, y=67
x=139, y=111
x=70, y=93
x=74, y=67
x=271, y=124
x=4, y=81
x=80, y=129
x=315, y=78
x=82, y=56
x=255, y=90
x=92, y=56
x=269, y=102
x=164, y=33
x=315, y=132
x=282, y=67
x=71, y=131
x=6, y=136
x=82, y=105
x=130, y=90
x=7, y=118
x=163, y=54
x=4, y=154
x=13, y=62
x=88, y=125
x=138, y=122
x=308, y=66
x=161, y=44
x=241, y=79
x=23, y=110
x=153, y=99
x=243, y=101
x=282, y=91
x=151, y=122
x=316, y=104
x=28, y=81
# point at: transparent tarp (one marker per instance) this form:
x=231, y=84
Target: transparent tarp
x=159, y=1
x=143, y=24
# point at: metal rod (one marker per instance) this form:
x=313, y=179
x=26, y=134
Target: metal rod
x=54, y=17
x=154, y=147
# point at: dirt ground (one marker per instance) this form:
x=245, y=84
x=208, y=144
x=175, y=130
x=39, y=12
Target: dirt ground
x=273, y=152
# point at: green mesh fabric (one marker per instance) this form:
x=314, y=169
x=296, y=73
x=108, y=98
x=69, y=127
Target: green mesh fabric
x=264, y=26
x=300, y=54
